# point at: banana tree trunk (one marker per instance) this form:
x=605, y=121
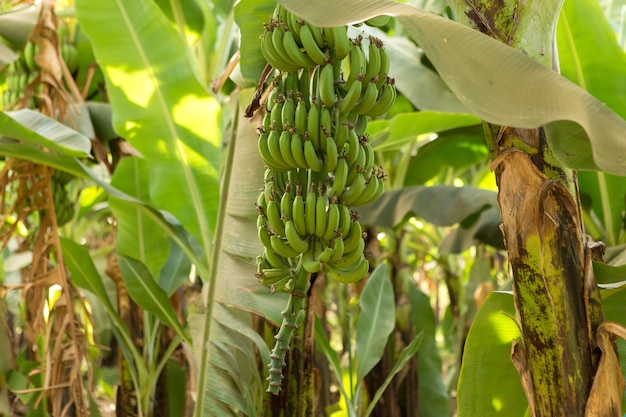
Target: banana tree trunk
x=556, y=299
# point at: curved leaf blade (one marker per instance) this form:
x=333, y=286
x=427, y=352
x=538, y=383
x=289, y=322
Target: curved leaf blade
x=376, y=321
x=160, y=107
x=495, y=82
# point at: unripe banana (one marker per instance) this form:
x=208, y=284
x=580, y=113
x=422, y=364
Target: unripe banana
x=370, y=157
x=341, y=47
x=350, y=195
x=347, y=103
x=386, y=98
x=326, y=89
x=264, y=150
x=295, y=53
x=341, y=131
x=330, y=164
x=323, y=254
x=318, y=36
x=357, y=63
x=298, y=213
x=288, y=112
x=277, y=113
x=295, y=24
x=373, y=189
x=309, y=207
x=30, y=50
x=345, y=219
x=309, y=263
x=313, y=124
x=282, y=248
x=350, y=257
x=286, y=205
x=297, y=151
x=367, y=100
x=273, y=143
x=300, y=117
x=353, y=147
x=332, y=221
x=293, y=238
x=339, y=180
x=348, y=275
x=284, y=143
x=304, y=85
x=270, y=276
x=271, y=55
x=313, y=161
x=338, y=248
x=352, y=240
x=385, y=64
x=378, y=21
x=274, y=218
x=320, y=214
x=311, y=47
x=373, y=62
x=279, y=47
x=274, y=259
x=263, y=232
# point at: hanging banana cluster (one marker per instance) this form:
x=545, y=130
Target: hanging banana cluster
x=319, y=161
x=63, y=206
x=23, y=71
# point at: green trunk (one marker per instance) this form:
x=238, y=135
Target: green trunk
x=556, y=299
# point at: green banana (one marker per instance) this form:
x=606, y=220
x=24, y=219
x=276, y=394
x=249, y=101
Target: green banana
x=311, y=47
x=373, y=60
x=350, y=257
x=271, y=55
x=351, y=241
x=352, y=193
x=293, y=238
x=274, y=218
x=274, y=259
x=373, y=189
x=309, y=210
x=353, y=147
x=386, y=98
x=282, y=248
x=318, y=35
x=340, y=177
x=320, y=214
x=298, y=214
x=333, y=217
x=284, y=143
x=263, y=232
x=309, y=263
x=313, y=124
x=323, y=254
x=341, y=47
x=286, y=205
x=297, y=151
x=347, y=103
x=370, y=157
x=367, y=100
x=348, y=275
x=338, y=248
x=378, y=21
x=326, y=88
x=345, y=219
x=268, y=159
x=326, y=126
x=341, y=131
x=273, y=143
x=357, y=63
x=385, y=64
x=271, y=276
x=313, y=161
x=288, y=112
x=301, y=116
x=293, y=51
x=330, y=164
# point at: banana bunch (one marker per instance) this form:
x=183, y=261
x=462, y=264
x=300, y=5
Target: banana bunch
x=320, y=164
x=22, y=72
x=19, y=75
x=63, y=206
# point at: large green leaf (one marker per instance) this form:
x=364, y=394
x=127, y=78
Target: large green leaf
x=34, y=127
x=17, y=23
x=393, y=134
x=160, y=108
x=376, y=321
x=457, y=149
x=495, y=82
x=138, y=235
x=489, y=384
x=250, y=15
x=605, y=77
x=432, y=393
x=145, y=291
x=441, y=205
